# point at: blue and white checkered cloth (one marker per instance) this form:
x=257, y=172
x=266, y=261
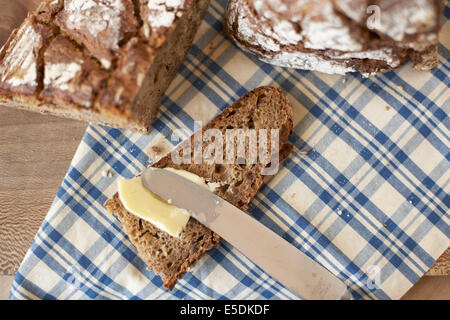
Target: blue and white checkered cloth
x=369, y=202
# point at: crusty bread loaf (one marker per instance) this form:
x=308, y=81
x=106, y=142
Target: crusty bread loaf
x=337, y=36
x=106, y=62
x=264, y=107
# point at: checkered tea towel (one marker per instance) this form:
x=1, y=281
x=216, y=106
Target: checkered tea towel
x=369, y=201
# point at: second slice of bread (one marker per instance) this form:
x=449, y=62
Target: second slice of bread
x=262, y=108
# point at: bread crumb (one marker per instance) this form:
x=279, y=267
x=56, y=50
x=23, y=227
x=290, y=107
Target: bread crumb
x=155, y=151
x=214, y=185
x=107, y=173
x=388, y=108
x=304, y=152
x=211, y=46
x=339, y=211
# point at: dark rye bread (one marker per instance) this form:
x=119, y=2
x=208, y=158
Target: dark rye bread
x=264, y=107
x=338, y=36
x=102, y=61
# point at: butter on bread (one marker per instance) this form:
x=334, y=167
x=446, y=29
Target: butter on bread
x=143, y=203
x=261, y=108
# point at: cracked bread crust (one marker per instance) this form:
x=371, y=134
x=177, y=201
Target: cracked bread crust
x=262, y=108
x=333, y=36
x=98, y=26
x=69, y=76
x=19, y=59
x=106, y=62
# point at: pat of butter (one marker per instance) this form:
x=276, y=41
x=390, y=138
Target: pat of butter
x=150, y=207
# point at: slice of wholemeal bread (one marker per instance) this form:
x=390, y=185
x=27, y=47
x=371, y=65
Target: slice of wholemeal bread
x=262, y=108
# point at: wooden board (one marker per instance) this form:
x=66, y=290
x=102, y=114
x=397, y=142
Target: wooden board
x=430, y=288
x=442, y=265
x=35, y=154
x=12, y=14
x=35, y=151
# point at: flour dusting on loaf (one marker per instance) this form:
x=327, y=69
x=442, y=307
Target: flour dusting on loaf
x=19, y=67
x=60, y=74
x=337, y=36
x=107, y=21
x=159, y=16
x=94, y=16
x=402, y=18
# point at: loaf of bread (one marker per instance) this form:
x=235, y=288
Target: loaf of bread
x=262, y=108
x=106, y=62
x=12, y=14
x=337, y=36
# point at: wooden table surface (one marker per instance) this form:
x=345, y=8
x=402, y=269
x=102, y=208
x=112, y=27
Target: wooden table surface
x=35, y=152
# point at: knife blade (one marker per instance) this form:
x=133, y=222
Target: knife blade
x=280, y=259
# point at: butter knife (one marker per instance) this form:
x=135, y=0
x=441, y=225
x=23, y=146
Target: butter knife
x=265, y=248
